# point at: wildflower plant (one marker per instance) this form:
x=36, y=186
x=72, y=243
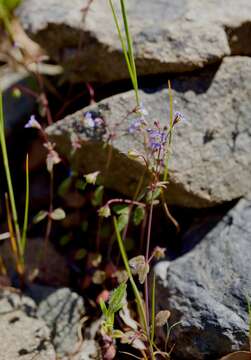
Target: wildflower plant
x=52, y=159
x=157, y=142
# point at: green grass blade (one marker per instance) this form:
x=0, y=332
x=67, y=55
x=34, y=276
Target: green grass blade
x=124, y=48
x=26, y=210
x=153, y=308
x=130, y=47
x=122, y=40
x=170, y=131
x=8, y=176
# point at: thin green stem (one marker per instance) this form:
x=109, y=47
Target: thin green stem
x=170, y=131
x=153, y=308
x=130, y=48
x=129, y=273
x=8, y=177
x=128, y=58
x=26, y=210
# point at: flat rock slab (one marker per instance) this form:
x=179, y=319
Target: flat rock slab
x=63, y=310
x=169, y=36
x=23, y=336
x=207, y=288
x=211, y=160
x=51, y=266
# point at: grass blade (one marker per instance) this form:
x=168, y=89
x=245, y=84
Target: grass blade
x=170, y=131
x=26, y=210
x=153, y=308
x=8, y=176
x=127, y=53
x=130, y=47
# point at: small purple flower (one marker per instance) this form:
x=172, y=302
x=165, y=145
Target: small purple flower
x=33, y=123
x=157, y=139
x=89, y=121
x=178, y=116
x=136, y=125
x=92, y=122
x=142, y=110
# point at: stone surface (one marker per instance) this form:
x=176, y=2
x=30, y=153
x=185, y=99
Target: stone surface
x=206, y=289
x=89, y=349
x=23, y=336
x=169, y=36
x=211, y=160
x=51, y=267
x=63, y=310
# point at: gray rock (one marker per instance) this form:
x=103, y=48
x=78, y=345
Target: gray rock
x=88, y=350
x=62, y=311
x=22, y=335
x=206, y=289
x=50, y=266
x=211, y=160
x=169, y=36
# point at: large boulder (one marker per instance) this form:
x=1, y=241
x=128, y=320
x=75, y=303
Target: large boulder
x=211, y=160
x=207, y=289
x=169, y=36
x=23, y=336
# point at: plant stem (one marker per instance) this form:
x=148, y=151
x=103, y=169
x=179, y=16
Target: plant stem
x=129, y=273
x=8, y=177
x=49, y=221
x=26, y=211
x=153, y=308
x=170, y=131
x=127, y=50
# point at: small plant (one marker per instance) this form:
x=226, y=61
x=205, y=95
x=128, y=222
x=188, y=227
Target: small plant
x=157, y=142
x=116, y=302
x=52, y=159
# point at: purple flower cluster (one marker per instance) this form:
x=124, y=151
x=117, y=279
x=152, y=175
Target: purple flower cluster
x=157, y=139
x=136, y=125
x=92, y=122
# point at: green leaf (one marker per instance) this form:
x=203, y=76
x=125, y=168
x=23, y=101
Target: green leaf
x=120, y=209
x=64, y=186
x=117, y=334
x=153, y=195
x=9, y=5
x=123, y=221
x=98, y=196
x=138, y=215
x=123, y=212
x=81, y=184
x=64, y=240
x=103, y=307
x=80, y=254
x=117, y=298
x=40, y=216
x=57, y=214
